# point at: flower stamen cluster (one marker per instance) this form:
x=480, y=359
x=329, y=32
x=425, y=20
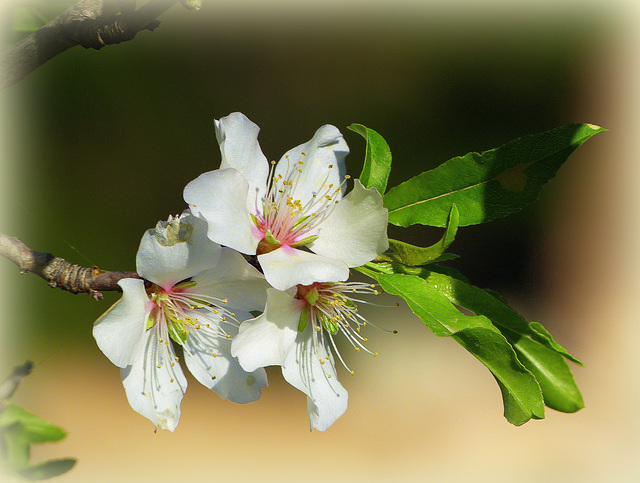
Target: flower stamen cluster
x=284, y=219
x=330, y=311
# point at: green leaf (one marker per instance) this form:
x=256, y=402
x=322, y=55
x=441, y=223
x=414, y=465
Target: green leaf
x=48, y=469
x=486, y=186
x=411, y=255
x=19, y=429
x=484, y=302
x=521, y=394
x=377, y=159
x=559, y=389
x=534, y=345
x=37, y=429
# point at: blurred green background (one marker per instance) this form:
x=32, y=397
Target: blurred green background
x=101, y=144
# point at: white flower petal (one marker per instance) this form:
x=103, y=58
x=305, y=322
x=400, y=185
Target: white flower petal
x=119, y=332
x=326, y=148
x=153, y=385
x=235, y=280
x=220, y=197
x=221, y=372
x=266, y=340
x=286, y=267
x=176, y=250
x=238, y=140
x=326, y=397
x=356, y=231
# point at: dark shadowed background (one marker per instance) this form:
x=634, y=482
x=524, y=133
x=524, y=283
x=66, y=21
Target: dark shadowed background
x=98, y=146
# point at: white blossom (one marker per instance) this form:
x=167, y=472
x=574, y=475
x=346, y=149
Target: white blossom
x=293, y=214
x=195, y=294
x=296, y=331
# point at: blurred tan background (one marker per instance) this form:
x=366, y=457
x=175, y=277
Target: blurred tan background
x=97, y=147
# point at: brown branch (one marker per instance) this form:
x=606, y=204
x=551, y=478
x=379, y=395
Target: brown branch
x=90, y=23
x=59, y=273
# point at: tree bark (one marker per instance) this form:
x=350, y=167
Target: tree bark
x=59, y=273
x=90, y=23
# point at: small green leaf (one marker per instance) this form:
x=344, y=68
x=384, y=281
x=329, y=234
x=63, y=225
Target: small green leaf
x=411, y=255
x=46, y=470
x=486, y=186
x=19, y=429
x=521, y=394
x=559, y=389
x=377, y=159
x=37, y=429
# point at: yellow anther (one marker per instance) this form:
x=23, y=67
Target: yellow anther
x=273, y=162
x=364, y=340
x=173, y=364
x=301, y=162
x=172, y=379
x=357, y=349
x=213, y=378
x=353, y=373
x=303, y=153
x=214, y=354
x=375, y=355
x=328, y=376
x=159, y=366
x=176, y=358
x=330, y=166
x=346, y=176
x=228, y=336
